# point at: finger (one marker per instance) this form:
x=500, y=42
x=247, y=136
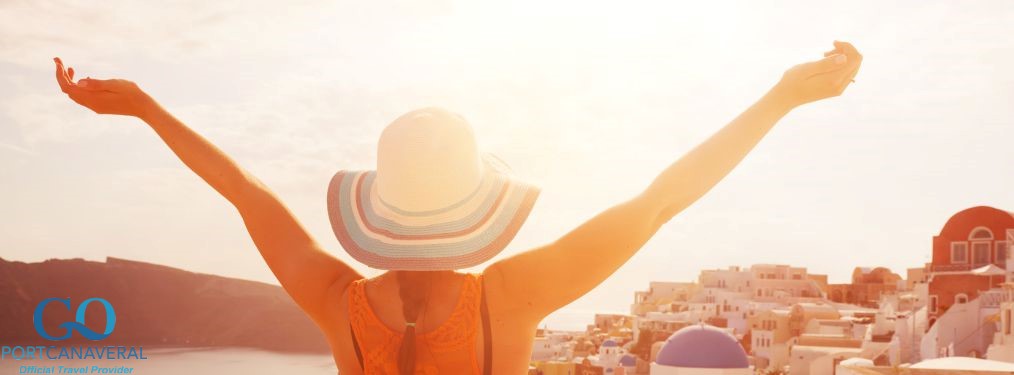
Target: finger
x=70, y=74
x=846, y=48
x=827, y=64
x=849, y=78
x=65, y=76
x=855, y=61
x=61, y=78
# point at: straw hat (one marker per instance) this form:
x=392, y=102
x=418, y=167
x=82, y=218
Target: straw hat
x=433, y=203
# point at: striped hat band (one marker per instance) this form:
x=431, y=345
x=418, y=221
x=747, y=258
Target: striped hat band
x=460, y=235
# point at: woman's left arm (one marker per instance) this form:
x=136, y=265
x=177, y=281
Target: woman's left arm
x=307, y=272
x=547, y=278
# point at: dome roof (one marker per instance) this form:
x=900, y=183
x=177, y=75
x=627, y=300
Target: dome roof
x=702, y=346
x=963, y=222
x=609, y=344
x=628, y=360
x=856, y=362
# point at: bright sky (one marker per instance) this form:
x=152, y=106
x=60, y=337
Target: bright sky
x=590, y=100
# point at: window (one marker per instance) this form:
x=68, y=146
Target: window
x=961, y=298
x=981, y=253
x=932, y=304
x=959, y=252
x=981, y=233
x=1001, y=252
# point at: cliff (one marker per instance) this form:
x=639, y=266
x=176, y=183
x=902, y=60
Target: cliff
x=155, y=306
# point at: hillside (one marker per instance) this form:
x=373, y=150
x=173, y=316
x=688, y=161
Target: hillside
x=155, y=306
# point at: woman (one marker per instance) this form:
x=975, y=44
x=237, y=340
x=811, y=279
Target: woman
x=435, y=204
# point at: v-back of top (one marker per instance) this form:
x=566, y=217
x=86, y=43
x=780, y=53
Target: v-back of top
x=449, y=349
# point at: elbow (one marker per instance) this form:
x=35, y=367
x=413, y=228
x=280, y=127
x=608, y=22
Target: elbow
x=245, y=190
x=660, y=207
x=664, y=216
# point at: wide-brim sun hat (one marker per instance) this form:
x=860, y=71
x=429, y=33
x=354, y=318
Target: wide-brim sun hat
x=433, y=203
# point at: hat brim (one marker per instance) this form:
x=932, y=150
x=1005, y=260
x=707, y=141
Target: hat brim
x=461, y=235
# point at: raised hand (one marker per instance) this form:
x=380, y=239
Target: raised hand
x=308, y=274
x=104, y=96
x=821, y=79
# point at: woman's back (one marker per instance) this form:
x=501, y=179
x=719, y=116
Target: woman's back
x=446, y=348
x=450, y=328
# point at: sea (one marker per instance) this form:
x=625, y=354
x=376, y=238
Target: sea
x=173, y=361
x=187, y=361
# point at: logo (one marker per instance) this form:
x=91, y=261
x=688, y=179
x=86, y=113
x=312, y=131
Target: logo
x=79, y=320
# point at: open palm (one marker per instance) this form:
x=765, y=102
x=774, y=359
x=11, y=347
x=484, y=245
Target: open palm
x=104, y=96
x=824, y=78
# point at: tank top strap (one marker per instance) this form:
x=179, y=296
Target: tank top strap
x=374, y=340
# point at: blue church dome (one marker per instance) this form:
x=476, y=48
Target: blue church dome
x=702, y=346
x=609, y=344
x=628, y=360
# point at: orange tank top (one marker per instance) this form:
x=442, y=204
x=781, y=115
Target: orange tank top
x=449, y=349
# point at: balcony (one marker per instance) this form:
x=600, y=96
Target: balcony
x=959, y=267
x=950, y=267
x=991, y=298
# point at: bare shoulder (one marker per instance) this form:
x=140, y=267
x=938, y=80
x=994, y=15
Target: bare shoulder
x=508, y=301
x=335, y=308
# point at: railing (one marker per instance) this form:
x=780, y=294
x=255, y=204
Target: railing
x=958, y=267
x=991, y=298
x=950, y=267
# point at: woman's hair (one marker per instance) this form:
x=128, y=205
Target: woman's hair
x=414, y=290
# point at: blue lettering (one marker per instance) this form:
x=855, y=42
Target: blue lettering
x=37, y=319
x=110, y=319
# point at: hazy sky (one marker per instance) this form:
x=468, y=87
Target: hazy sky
x=589, y=100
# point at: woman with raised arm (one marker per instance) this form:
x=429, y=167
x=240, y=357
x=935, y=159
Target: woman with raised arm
x=435, y=204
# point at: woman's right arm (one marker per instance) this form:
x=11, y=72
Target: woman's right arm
x=305, y=270
x=581, y=259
